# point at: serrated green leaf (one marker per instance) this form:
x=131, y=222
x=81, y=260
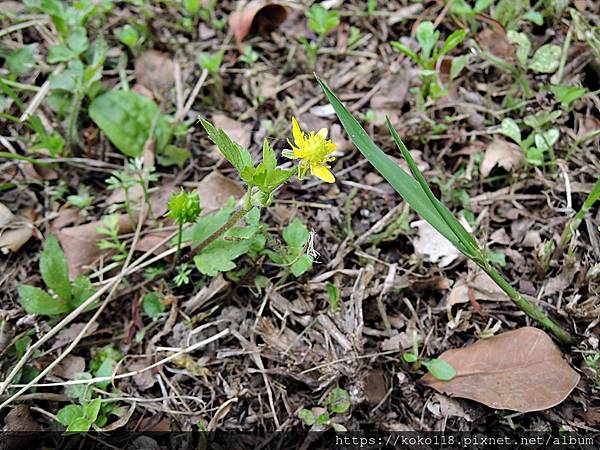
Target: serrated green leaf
x=440, y=369
x=68, y=414
x=54, y=269
x=206, y=225
x=37, y=301
x=126, y=118
x=546, y=59
x=509, y=128
x=237, y=155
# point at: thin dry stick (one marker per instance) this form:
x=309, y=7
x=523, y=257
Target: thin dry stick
x=193, y=95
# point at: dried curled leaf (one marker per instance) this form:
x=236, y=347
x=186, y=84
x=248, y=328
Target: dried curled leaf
x=521, y=370
x=262, y=15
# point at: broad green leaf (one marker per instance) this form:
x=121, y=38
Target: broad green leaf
x=126, y=118
x=80, y=425
x=128, y=35
x=440, y=369
x=546, y=59
x=534, y=17
x=407, y=51
x=427, y=37
x=206, y=225
x=453, y=40
x=544, y=141
x=152, y=305
x=82, y=290
x=568, y=94
x=301, y=265
x=403, y=183
x=509, y=128
x=36, y=301
x=523, y=45
x=296, y=234
x=68, y=414
x=220, y=256
x=91, y=409
x=54, y=269
x=238, y=156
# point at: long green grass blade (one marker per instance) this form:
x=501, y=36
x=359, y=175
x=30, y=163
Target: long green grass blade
x=457, y=228
x=402, y=182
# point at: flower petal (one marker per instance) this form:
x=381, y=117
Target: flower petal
x=322, y=133
x=322, y=172
x=297, y=132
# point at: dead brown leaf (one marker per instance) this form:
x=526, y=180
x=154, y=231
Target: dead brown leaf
x=500, y=153
x=520, y=370
x=69, y=367
x=144, y=380
x=260, y=15
x=155, y=70
x=493, y=40
x=215, y=189
x=432, y=245
x=15, y=230
x=482, y=287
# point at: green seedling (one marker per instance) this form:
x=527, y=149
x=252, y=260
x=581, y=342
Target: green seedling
x=333, y=294
x=111, y=229
x=541, y=139
x=129, y=36
x=430, y=53
x=20, y=61
x=593, y=362
x=80, y=418
x=324, y=417
x=212, y=64
x=63, y=296
x=467, y=12
x=510, y=13
x=183, y=208
x=82, y=200
x=418, y=194
x=322, y=22
x=440, y=369
x=249, y=56
x=567, y=95
x=573, y=224
x=545, y=59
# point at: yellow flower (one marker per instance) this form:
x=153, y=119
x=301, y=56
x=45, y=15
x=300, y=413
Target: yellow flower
x=313, y=150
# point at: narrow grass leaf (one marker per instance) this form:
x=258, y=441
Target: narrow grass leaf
x=403, y=183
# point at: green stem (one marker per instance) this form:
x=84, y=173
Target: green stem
x=73, y=116
x=531, y=310
x=179, y=237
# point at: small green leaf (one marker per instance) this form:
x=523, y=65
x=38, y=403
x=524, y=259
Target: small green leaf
x=91, y=409
x=509, y=128
x=36, y=301
x=458, y=65
x=453, y=40
x=77, y=40
x=82, y=290
x=546, y=59
x=334, y=296
x=409, y=357
x=542, y=118
x=68, y=414
x=301, y=265
x=534, y=17
x=407, y=51
x=128, y=35
x=173, y=156
x=126, y=118
x=152, y=304
x=54, y=269
x=321, y=20
x=21, y=60
x=59, y=53
x=307, y=417
x=440, y=369
x=80, y=425
x=338, y=401
x=296, y=234
x=427, y=37
x=523, y=45
x=566, y=95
